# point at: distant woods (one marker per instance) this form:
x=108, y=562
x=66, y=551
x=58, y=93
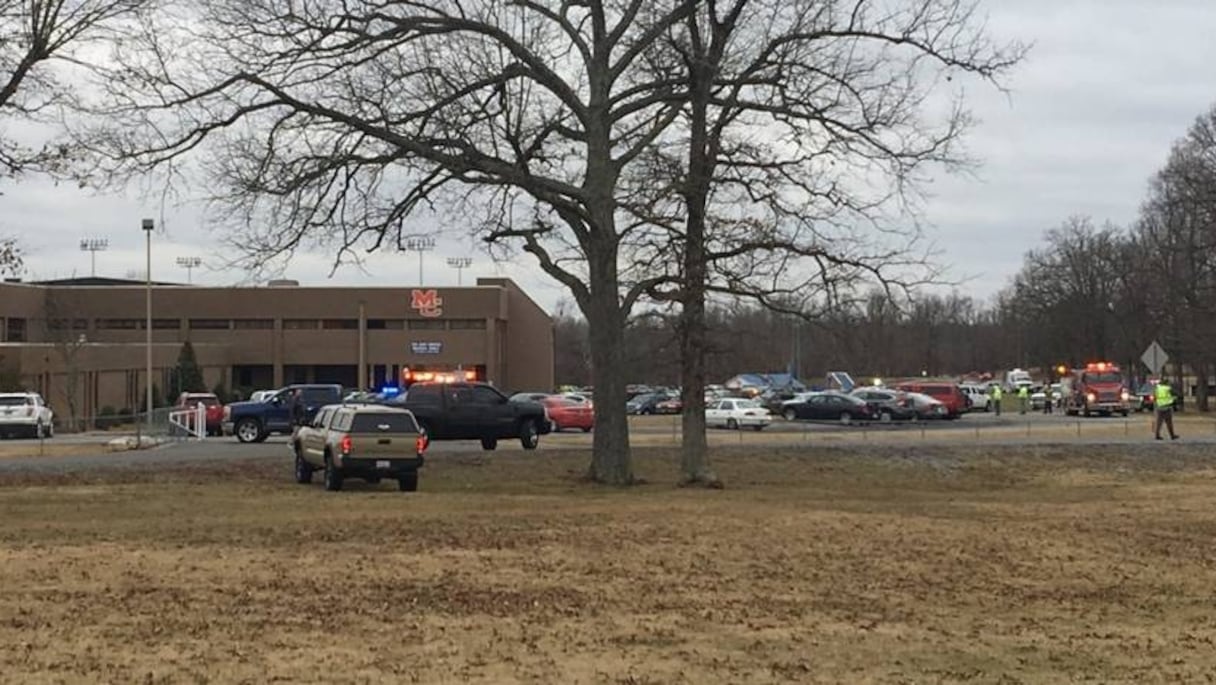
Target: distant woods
x=1089, y=292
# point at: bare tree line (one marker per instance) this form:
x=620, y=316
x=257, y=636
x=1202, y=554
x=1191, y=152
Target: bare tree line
x=1088, y=293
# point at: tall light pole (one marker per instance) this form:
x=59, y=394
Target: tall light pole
x=93, y=246
x=460, y=264
x=189, y=264
x=421, y=244
x=148, y=225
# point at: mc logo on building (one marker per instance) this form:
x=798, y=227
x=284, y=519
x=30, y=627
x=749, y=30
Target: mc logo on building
x=426, y=302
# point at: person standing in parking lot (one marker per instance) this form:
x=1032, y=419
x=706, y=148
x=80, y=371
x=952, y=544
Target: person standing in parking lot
x=1023, y=398
x=1163, y=401
x=297, y=407
x=995, y=392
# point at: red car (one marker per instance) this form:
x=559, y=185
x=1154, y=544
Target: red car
x=211, y=404
x=948, y=394
x=567, y=413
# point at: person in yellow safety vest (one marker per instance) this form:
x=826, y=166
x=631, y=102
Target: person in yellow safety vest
x=1163, y=402
x=1023, y=398
x=995, y=391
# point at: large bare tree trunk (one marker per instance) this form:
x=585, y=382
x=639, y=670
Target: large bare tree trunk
x=611, y=461
x=694, y=450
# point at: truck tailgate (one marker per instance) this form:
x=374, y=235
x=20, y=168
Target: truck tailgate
x=383, y=435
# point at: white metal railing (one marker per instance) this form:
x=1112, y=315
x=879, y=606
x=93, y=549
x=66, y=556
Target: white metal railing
x=192, y=421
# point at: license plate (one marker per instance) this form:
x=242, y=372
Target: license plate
x=382, y=464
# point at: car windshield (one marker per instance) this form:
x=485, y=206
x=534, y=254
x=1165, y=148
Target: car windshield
x=1103, y=378
x=13, y=401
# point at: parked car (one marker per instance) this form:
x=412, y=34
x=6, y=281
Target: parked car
x=890, y=405
x=530, y=396
x=25, y=413
x=647, y=403
x=1038, y=398
x=368, y=441
x=211, y=405
x=947, y=393
x=830, y=405
x=927, y=407
x=567, y=413
x=979, y=396
x=669, y=405
x=735, y=413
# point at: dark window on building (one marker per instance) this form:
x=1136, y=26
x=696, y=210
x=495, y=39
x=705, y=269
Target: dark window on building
x=385, y=324
x=166, y=324
x=301, y=324
x=340, y=324
x=253, y=324
x=467, y=324
x=427, y=324
x=16, y=330
x=210, y=324
x=120, y=324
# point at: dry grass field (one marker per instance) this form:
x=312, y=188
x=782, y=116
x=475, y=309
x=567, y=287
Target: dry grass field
x=850, y=564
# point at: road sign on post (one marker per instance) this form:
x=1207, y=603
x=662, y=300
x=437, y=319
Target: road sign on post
x=1154, y=358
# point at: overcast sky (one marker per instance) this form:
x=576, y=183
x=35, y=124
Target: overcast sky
x=1089, y=117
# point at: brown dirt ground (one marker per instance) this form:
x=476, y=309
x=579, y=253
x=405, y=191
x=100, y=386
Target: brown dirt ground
x=847, y=564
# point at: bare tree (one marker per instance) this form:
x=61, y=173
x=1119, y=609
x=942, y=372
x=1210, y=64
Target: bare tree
x=11, y=258
x=44, y=45
x=65, y=330
x=327, y=124
x=795, y=111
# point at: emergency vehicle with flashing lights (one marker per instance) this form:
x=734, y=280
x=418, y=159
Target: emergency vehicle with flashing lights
x=1097, y=388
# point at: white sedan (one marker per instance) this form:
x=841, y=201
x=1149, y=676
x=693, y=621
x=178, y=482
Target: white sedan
x=736, y=412
x=27, y=413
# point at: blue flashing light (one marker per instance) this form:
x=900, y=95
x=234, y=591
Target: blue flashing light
x=390, y=390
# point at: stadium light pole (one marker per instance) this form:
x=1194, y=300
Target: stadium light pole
x=189, y=264
x=460, y=264
x=93, y=246
x=420, y=244
x=148, y=225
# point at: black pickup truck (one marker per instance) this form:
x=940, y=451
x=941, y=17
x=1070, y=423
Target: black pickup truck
x=474, y=411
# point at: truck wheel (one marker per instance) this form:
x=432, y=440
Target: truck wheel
x=408, y=482
x=248, y=430
x=333, y=477
x=489, y=444
x=303, y=468
x=790, y=415
x=529, y=435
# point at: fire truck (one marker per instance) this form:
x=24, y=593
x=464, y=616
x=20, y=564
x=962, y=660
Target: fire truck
x=1098, y=388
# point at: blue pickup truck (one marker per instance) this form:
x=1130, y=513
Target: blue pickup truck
x=255, y=421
